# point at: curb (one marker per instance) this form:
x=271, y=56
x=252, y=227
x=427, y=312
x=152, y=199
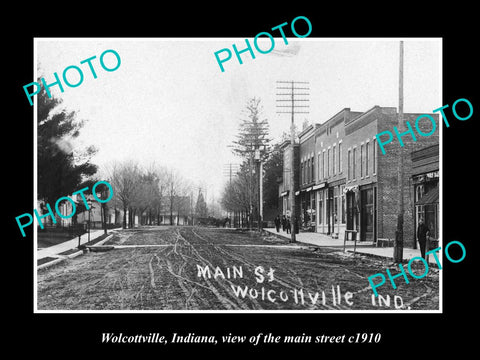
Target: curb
x=74, y=255
x=385, y=257
x=101, y=242
x=61, y=258
x=50, y=263
x=379, y=257
x=376, y=256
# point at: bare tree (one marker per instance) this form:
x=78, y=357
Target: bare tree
x=173, y=187
x=124, y=178
x=145, y=192
x=235, y=195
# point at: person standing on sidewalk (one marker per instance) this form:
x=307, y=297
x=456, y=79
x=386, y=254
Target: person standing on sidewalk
x=284, y=223
x=422, y=233
x=277, y=223
x=287, y=225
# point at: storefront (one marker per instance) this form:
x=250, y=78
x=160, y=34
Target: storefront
x=352, y=199
x=426, y=196
x=331, y=209
x=368, y=218
x=425, y=187
x=361, y=212
x=308, y=210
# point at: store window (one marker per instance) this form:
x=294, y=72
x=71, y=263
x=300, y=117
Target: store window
x=335, y=204
x=313, y=213
x=320, y=207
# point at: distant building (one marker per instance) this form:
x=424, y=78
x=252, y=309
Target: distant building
x=81, y=216
x=180, y=212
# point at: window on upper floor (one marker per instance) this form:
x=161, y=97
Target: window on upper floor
x=328, y=163
x=354, y=160
x=362, y=155
x=319, y=166
x=308, y=170
x=340, y=160
x=312, y=162
x=334, y=163
x=367, y=154
x=324, y=165
x=349, y=164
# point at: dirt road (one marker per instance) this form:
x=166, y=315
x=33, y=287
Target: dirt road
x=194, y=268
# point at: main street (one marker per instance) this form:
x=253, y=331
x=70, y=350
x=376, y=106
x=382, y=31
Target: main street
x=199, y=268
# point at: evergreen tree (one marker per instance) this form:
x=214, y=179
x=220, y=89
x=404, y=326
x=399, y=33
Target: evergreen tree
x=273, y=170
x=61, y=169
x=201, y=206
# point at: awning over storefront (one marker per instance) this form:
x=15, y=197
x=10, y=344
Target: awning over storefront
x=297, y=193
x=285, y=193
x=430, y=198
x=350, y=188
x=319, y=186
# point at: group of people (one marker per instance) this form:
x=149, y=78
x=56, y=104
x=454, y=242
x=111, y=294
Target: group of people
x=422, y=231
x=286, y=224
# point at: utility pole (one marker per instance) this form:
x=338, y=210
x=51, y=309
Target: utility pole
x=260, y=176
x=398, y=246
x=289, y=101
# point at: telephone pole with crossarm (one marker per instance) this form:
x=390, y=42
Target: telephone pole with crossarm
x=289, y=103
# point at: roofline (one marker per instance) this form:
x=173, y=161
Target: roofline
x=312, y=128
x=334, y=118
x=370, y=111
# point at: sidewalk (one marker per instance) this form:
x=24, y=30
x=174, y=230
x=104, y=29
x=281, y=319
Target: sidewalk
x=54, y=250
x=363, y=247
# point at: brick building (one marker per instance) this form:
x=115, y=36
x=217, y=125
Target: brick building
x=331, y=174
x=347, y=186
x=284, y=186
x=305, y=192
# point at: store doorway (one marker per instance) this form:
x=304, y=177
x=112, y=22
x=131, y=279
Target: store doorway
x=367, y=215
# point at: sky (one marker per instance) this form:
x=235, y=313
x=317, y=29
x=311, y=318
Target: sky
x=169, y=102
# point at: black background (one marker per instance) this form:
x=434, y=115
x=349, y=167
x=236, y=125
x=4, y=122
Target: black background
x=403, y=335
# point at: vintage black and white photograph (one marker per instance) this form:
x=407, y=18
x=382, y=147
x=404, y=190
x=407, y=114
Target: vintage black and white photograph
x=237, y=175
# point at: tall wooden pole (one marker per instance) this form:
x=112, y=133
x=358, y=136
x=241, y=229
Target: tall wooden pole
x=293, y=109
x=398, y=248
x=260, y=175
x=292, y=172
